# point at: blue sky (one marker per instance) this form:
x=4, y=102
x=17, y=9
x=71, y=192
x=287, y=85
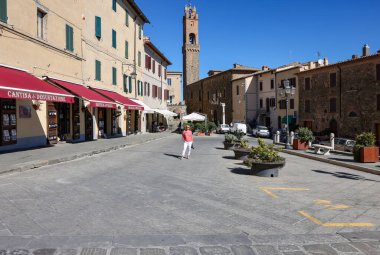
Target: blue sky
x=266, y=32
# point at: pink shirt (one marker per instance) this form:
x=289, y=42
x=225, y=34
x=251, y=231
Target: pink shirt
x=187, y=136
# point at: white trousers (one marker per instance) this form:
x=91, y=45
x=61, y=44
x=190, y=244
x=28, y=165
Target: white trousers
x=186, y=145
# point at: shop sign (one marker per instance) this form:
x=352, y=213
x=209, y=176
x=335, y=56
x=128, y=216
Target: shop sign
x=28, y=95
x=102, y=105
x=134, y=107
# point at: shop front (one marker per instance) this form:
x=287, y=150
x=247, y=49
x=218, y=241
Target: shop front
x=28, y=115
x=90, y=108
x=132, y=116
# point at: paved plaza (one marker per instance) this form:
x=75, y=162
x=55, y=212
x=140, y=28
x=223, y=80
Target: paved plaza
x=142, y=200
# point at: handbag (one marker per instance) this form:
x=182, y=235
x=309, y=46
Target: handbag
x=192, y=146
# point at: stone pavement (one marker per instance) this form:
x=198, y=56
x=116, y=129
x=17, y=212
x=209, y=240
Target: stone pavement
x=337, y=158
x=358, y=243
x=33, y=158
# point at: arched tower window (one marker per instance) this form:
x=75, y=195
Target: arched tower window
x=192, y=38
x=190, y=12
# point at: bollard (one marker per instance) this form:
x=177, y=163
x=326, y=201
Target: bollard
x=277, y=137
x=291, y=137
x=332, y=143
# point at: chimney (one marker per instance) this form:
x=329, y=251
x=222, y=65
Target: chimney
x=365, y=50
x=264, y=68
x=378, y=52
x=355, y=56
x=325, y=61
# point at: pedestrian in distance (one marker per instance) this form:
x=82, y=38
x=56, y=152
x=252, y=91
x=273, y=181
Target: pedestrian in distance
x=187, y=137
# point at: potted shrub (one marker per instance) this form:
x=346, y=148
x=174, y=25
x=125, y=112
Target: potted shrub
x=200, y=128
x=304, y=136
x=242, y=150
x=365, y=150
x=264, y=160
x=230, y=141
x=239, y=134
x=211, y=127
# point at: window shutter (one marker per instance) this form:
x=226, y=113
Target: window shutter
x=98, y=70
x=113, y=38
x=138, y=88
x=291, y=103
x=67, y=37
x=378, y=72
x=139, y=58
x=140, y=31
x=114, y=82
x=98, y=27
x=3, y=11
x=125, y=79
x=148, y=85
x=130, y=84
x=127, y=18
x=378, y=102
x=126, y=50
x=332, y=79
x=114, y=5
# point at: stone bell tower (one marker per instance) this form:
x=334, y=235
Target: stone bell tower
x=190, y=49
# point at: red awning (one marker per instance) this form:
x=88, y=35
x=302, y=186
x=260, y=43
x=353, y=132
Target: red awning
x=95, y=99
x=18, y=84
x=128, y=104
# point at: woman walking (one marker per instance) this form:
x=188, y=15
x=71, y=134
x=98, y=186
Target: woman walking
x=187, y=137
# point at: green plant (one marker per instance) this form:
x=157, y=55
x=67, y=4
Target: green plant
x=365, y=139
x=239, y=134
x=263, y=153
x=200, y=127
x=230, y=138
x=211, y=126
x=244, y=144
x=305, y=134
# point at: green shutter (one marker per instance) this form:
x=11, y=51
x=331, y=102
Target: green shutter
x=140, y=88
x=125, y=77
x=98, y=27
x=126, y=50
x=139, y=58
x=130, y=84
x=114, y=5
x=140, y=31
x=127, y=18
x=69, y=38
x=114, y=38
x=114, y=82
x=3, y=11
x=98, y=69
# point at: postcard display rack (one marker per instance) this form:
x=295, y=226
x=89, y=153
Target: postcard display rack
x=8, y=125
x=76, y=120
x=52, y=123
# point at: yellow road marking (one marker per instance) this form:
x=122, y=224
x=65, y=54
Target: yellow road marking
x=319, y=201
x=335, y=224
x=266, y=190
x=328, y=204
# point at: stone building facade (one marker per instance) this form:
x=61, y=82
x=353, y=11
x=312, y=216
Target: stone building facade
x=191, y=48
x=206, y=95
x=174, y=84
x=343, y=98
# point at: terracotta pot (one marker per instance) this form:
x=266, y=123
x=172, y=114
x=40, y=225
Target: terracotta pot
x=241, y=153
x=300, y=145
x=369, y=154
x=267, y=169
x=201, y=134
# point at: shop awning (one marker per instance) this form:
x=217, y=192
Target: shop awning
x=18, y=84
x=95, y=99
x=147, y=109
x=166, y=113
x=128, y=104
x=291, y=119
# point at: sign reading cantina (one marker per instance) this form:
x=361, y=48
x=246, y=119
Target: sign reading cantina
x=29, y=95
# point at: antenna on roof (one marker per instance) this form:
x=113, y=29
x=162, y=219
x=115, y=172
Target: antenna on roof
x=188, y=2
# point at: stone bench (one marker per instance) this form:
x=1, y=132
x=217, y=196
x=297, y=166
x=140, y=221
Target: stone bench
x=322, y=149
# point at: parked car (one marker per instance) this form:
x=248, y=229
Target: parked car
x=222, y=129
x=261, y=131
x=239, y=126
x=341, y=144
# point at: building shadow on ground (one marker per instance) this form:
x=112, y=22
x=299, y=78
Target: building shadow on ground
x=345, y=175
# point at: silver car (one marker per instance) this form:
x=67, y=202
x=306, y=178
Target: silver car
x=222, y=129
x=261, y=131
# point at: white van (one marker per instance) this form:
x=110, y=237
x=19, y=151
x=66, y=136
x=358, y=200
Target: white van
x=239, y=126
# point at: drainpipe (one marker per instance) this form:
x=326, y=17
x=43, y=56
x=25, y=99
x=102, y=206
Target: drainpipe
x=340, y=92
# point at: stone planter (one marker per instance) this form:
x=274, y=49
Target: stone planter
x=229, y=146
x=267, y=169
x=241, y=153
x=369, y=154
x=300, y=145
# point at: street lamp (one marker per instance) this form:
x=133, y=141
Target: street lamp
x=288, y=91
